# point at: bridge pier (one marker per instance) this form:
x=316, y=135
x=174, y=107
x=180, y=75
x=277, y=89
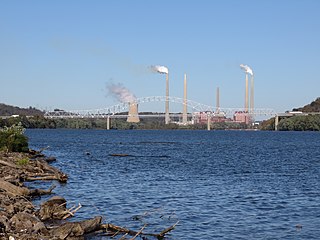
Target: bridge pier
x=108, y=123
x=208, y=122
x=276, y=122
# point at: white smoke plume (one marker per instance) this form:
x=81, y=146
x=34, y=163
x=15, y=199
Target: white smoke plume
x=160, y=69
x=247, y=69
x=121, y=93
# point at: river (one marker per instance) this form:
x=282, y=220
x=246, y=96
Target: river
x=217, y=184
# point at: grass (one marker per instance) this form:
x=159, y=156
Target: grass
x=23, y=161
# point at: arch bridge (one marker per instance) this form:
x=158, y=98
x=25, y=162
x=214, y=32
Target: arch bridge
x=124, y=107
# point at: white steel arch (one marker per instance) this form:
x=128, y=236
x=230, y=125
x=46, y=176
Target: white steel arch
x=123, y=107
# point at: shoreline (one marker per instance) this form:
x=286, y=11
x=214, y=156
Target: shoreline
x=19, y=218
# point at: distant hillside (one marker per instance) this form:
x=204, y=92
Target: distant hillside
x=312, y=107
x=7, y=110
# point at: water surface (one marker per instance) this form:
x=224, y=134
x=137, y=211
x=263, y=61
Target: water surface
x=217, y=184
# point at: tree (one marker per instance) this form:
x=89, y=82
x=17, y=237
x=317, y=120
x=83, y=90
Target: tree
x=13, y=139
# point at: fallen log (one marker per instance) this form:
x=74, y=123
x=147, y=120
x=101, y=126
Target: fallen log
x=46, y=178
x=76, y=229
x=9, y=164
x=46, y=168
x=120, y=155
x=118, y=229
x=14, y=190
x=39, y=192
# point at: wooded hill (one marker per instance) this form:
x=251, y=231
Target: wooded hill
x=7, y=110
x=300, y=122
x=312, y=107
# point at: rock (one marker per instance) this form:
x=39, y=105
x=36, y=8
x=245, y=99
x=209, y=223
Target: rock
x=40, y=228
x=3, y=223
x=24, y=222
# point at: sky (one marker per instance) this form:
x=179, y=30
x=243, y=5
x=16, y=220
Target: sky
x=65, y=54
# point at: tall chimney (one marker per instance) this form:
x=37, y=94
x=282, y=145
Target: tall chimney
x=246, y=105
x=218, y=101
x=252, y=95
x=133, y=115
x=185, y=111
x=167, y=119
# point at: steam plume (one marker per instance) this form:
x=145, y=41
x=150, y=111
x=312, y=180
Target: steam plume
x=160, y=69
x=121, y=93
x=247, y=69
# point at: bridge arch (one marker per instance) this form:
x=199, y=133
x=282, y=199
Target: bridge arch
x=124, y=106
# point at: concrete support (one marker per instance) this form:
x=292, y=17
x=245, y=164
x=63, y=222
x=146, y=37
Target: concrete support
x=208, y=122
x=108, y=123
x=276, y=122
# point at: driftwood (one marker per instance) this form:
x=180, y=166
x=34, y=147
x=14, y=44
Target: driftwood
x=76, y=229
x=42, y=171
x=35, y=170
x=118, y=229
x=55, y=208
x=9, y=164
x=20, y=220
x=120, y=155
x=45, y=178
x=55, y=173
x=14, y=190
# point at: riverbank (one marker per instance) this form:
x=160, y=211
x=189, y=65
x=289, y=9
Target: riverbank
x=20, y=219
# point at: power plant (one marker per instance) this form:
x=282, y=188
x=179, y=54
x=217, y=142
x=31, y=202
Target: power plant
x=208, y=116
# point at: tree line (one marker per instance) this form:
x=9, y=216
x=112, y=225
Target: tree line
x=299, y=122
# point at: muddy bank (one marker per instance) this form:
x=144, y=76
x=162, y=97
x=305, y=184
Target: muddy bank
x=20, y=219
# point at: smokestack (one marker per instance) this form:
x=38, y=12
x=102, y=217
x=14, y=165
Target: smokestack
x=248, y=70
x=185, y=111
x=252, y=95
x=164, y=70
x=218, y=101
x=133, y=115
x=167, y=118
x=246, y=104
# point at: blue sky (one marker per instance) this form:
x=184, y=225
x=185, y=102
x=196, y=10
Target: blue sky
x=62, y=54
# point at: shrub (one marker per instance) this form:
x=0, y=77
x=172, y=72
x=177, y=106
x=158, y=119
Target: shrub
x=13, y=139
